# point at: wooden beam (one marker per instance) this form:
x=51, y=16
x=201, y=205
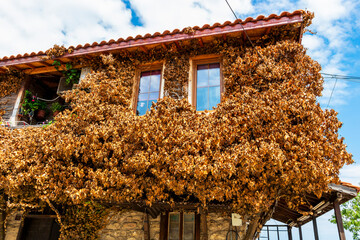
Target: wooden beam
x=201, y=42
x=339, y=221
x=164, y=46
x=16, y=68
x=46, y=70
x=267, y=31
x=2, y=224
x=45, y=63
x=177, y=45
x=29, y=65
x=164, y=225
x=144, y=49
x=87, y=57
x=146, y=227
x=66, y=59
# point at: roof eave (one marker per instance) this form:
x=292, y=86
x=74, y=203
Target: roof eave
x=131, y=43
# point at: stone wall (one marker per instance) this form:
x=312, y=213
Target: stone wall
x=218, y=226
x=13, y=225
x=129, y=225
x=154, y=228
x=7, y=103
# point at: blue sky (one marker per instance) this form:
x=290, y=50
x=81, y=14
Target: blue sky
x=34, y=25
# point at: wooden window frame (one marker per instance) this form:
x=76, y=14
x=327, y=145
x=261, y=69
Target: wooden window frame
x=144, y=68
x=165, y=221
x=200, y=60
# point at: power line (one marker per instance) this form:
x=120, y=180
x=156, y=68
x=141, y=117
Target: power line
x=340, y=76
x=353, y=79
x=247, y=36
x=331, y=93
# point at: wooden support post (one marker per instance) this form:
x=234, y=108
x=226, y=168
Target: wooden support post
x=164, y=225
x=300, y=233
x=2, y=225
x=146, y=227
x=339, y=221
x=289, y=232
x=203, y=225
x=316, y=233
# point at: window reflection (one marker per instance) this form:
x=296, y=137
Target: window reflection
x=207, y=86
x=149, y=91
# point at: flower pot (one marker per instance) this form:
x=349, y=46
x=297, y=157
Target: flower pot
x=56, y=113
x=40, y=115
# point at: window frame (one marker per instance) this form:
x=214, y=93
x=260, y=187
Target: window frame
x=201, y=60
x=165, y=224
x=145, y=68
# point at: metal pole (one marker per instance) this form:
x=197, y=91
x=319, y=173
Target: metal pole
x=300, y=233
x=316, y=234
x=289, y=232
x=277, y=230
x=339, y=221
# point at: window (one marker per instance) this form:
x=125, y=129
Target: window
x=206, y=83
x=180, y=226
x=40, y=227
x=149, y=90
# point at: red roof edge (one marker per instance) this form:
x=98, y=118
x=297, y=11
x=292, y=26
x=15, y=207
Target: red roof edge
x=167, y=36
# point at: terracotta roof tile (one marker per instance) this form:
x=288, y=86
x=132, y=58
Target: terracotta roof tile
x=167, y=32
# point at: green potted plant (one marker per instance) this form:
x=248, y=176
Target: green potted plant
x=71, y=75
x=33, y=107
x=56, y=108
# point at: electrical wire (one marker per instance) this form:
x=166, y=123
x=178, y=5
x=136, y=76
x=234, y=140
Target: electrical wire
x=325, y=75
x=340, y=76
x=247, y=36
x=332, y=93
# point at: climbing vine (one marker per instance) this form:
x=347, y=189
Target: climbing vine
x=267, y=139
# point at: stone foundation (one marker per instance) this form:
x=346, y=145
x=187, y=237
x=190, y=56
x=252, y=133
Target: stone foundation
x=129, y=225
x=218, y=226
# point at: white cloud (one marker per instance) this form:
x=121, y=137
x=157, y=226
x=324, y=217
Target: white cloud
x=351, y=174
x=27, y=26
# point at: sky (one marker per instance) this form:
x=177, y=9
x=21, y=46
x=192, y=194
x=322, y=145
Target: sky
x=32, y=25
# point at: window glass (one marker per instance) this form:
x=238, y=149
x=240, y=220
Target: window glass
x=207, y=86
x=149, y=91
x=189, y=226
x=174, y=226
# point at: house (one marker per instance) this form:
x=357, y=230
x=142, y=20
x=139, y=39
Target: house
x=183, y=64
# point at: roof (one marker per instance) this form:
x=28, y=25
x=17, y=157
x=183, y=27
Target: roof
x=254, y=27
x=343, y=192
x=350, y=185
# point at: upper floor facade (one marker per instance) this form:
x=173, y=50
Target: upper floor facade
x=152, y=65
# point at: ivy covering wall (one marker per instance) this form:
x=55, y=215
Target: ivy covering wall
x=267, y=139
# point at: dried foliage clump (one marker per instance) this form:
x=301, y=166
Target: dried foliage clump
x=81, y=222
x=57, y=51
x=267, y=139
